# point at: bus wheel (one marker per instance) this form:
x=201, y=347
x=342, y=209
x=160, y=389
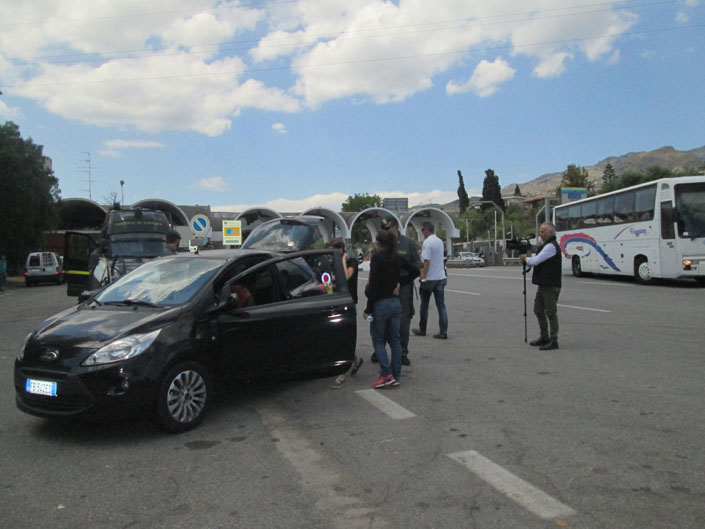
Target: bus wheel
x=642, y=270
x=577, y=270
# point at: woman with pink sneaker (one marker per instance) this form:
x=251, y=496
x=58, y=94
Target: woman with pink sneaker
x=383, y=305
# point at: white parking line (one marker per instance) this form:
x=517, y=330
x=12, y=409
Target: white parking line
x=525, y=494
x=463, y=292
x=384, y=404
x=320, y=476
x=604, y=283
x=583, y=308
x=485, y=276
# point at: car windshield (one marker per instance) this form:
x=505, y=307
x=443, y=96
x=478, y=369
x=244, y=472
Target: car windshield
x=285, y=236
x=164, y=282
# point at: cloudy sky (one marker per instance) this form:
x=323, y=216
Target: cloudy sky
x=300, y=103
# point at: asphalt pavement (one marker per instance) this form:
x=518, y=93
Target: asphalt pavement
x=485, y=431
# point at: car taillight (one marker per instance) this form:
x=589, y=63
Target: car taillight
x=58, y=271
x=25, y=272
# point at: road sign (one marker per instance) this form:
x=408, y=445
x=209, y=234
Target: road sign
x=232, y=232
x=200, y=224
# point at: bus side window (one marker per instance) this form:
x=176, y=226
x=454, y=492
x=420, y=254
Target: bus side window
x=624, y=207
x=644, y=203
x=605, y=210
x=588, y=214
x=667, y=230
x=574, y=217
x=562, y=220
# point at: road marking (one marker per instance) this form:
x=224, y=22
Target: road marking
x=523, y=493
x=485, y=277
x=463, y=292
x=606, y=283
x=583, y=308
x=384, y=404
x=319, y=476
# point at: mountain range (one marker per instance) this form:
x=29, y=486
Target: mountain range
x=667, y=157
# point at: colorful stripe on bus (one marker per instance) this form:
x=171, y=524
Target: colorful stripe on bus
x=583, y=238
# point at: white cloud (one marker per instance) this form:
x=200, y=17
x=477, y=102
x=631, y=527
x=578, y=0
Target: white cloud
x=194, y=65
x=552, y=66
x=682, y=17
x=160, y=92
x=691, y=3
x=9, y=112
x=279, y=128
x=334, y=201
x=217, y=183
x=109, y=152
x=132, y=144
x=486, y=78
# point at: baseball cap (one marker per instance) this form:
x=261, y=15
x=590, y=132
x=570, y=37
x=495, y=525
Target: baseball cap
x=388, y=221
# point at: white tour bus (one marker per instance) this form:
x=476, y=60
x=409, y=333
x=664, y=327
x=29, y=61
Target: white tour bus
x=649, y=230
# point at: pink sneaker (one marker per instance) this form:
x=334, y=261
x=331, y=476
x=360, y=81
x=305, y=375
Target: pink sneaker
x=383, y=381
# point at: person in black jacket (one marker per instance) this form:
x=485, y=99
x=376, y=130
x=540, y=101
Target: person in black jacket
x=385, y=308
x=547, y=275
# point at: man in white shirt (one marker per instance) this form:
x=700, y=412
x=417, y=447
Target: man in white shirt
x=433, y=281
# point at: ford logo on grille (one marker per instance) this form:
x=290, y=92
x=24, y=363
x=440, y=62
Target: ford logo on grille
x=49, y=356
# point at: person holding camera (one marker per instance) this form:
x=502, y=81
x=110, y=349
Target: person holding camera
x=547, y=275
x=433, y=281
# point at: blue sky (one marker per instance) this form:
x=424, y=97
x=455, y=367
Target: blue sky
x=299, y=103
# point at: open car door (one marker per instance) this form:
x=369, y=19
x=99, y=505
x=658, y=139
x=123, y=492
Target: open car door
x=77, y=250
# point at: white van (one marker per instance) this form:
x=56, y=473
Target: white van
x=43, y=267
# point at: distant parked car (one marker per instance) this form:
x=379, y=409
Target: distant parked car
x=43, y=267
x=472, y=259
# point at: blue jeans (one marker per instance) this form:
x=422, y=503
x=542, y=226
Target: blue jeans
x=386, y=319
x=437, y=288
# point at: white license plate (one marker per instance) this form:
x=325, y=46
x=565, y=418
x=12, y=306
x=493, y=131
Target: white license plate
x=41, y=387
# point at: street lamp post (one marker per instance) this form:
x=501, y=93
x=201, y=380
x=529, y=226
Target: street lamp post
x=504, y=232
x=122, y=194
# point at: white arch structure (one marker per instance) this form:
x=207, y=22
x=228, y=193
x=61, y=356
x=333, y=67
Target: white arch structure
x=333, y=221
x=438, y=217
x=179, y=218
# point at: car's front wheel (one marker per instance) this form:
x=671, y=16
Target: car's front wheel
x=184, y=396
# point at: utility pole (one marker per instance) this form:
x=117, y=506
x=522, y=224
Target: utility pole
x=87, y=169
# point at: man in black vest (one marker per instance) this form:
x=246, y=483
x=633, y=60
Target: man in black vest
x=547, y=275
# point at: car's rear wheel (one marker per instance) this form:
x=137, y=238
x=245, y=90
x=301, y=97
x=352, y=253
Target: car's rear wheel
x=184, y=397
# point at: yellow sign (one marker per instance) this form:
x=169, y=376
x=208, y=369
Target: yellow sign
x=232, y=232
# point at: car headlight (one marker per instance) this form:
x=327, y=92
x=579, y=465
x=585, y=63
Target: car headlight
x=122, y=349
x=26, y=340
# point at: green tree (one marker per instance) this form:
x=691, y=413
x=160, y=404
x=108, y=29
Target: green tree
x=517, y=191
x=491, y=190
x=576, y=176
x=608, y=175
x=463, y=199
x=29, y=198
x=360, y=202
x=360, y=235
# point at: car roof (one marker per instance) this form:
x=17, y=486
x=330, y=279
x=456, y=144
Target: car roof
x=228, y=255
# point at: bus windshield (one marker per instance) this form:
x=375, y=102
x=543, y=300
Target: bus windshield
x=690, y=210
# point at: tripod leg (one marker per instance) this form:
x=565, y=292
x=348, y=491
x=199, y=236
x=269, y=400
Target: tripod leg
x=526, y=338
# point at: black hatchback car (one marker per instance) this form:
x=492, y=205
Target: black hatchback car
x=158, y=338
